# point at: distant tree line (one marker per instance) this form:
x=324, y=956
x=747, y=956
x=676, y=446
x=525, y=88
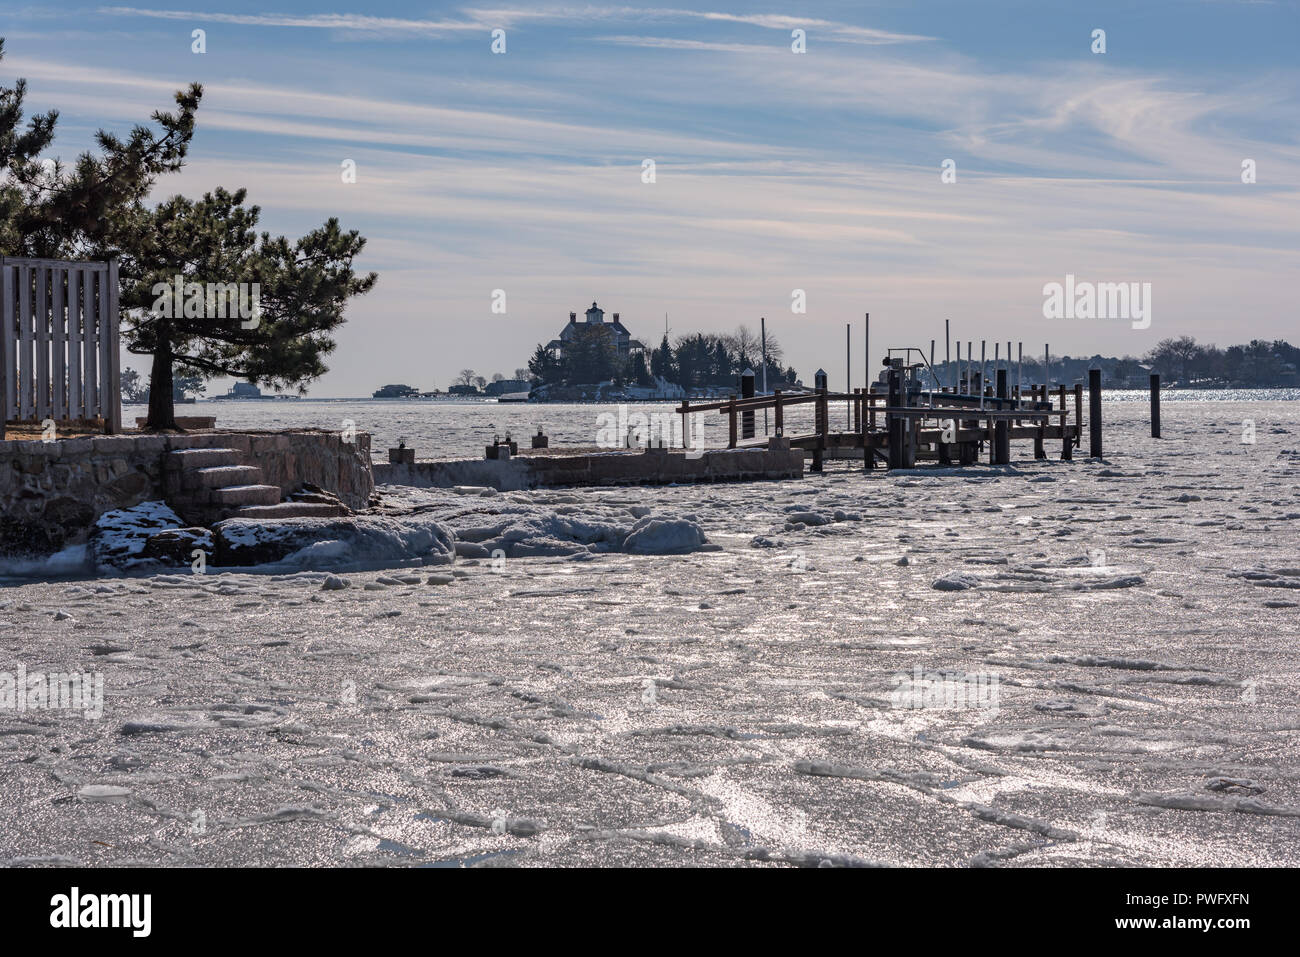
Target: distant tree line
x=1258, y=363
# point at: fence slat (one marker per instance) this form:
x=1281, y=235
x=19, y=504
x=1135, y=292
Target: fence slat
x=26, y=384
x=41, y=333
x=107, y=346
x=113, y=402
x=59, y=343
x=89, y=344
x=74, y=345
x=7, y=333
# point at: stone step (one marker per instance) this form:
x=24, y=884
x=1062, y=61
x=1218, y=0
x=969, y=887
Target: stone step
x=185, y=459
x=233, y=496
x=219, y=476
x=292, y=510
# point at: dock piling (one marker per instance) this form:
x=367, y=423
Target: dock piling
x=1155, y=405
x=1002, y=431
x=747, y=392
x=1094, y=411
x=895, y=424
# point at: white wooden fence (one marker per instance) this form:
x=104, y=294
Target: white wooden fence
x=59, y=342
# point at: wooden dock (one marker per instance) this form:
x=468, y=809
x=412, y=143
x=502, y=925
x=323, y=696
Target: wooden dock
x=897, y=428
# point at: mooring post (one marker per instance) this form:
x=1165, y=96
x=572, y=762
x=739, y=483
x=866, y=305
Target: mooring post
x=821, y=419
x=856, y=402
x=895, y=424
x=1067, y=442
x=686, y=423
x=947, y=352
x=1039, y=396
x=747, y=392
x=1002, y=431
x=1155, y=405
x=1078, y=415
x=731, y=423
x=868, y=427
x=1094, y=412
x=780, y=421
x=848, y=365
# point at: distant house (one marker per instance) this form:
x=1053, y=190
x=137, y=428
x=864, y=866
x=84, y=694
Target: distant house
x=463, y=390
x=244, y=390
x=396, y=391
x=622, y=339
x=507, y=386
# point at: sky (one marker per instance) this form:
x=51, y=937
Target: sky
x=821, y=171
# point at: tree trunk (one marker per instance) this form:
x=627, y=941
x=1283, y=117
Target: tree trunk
x=162, y=402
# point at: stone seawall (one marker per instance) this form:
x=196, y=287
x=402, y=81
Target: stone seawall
x=653, y=467
x=51, y=493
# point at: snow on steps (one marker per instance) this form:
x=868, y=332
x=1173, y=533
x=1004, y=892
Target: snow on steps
x=206, y=485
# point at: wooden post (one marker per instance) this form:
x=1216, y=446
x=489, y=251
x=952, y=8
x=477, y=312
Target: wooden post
x=1094, y=412
x=780, y=421
x=747, y=392
x=1155, y=405
x=868, y=457
x=686, y=422
x=1002, y=431
x=821, y=419
x=1067, y=443
x=731, y=423
x=1078, y=415
x=856, y=402
x=1039, y=451
x=947, y=351
x=848, y=365
x=895, y=424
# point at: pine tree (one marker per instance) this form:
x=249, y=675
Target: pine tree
x=301, y=291
x=86, y=211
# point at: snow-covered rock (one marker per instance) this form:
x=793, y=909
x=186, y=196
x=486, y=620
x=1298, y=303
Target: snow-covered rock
x=336, y=543
x=119, y=537
x=659, y=536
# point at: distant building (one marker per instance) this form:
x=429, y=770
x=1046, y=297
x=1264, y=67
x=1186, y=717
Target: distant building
x=396, y=391
x=245, y=390
x=622, y=339
x=463, y=390
x=506, y=386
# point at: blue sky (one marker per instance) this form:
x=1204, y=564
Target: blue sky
x=775, y=171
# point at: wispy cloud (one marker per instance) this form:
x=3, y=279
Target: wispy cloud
x=486, y=19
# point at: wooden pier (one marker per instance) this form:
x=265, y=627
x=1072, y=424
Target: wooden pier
x=899, y=427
